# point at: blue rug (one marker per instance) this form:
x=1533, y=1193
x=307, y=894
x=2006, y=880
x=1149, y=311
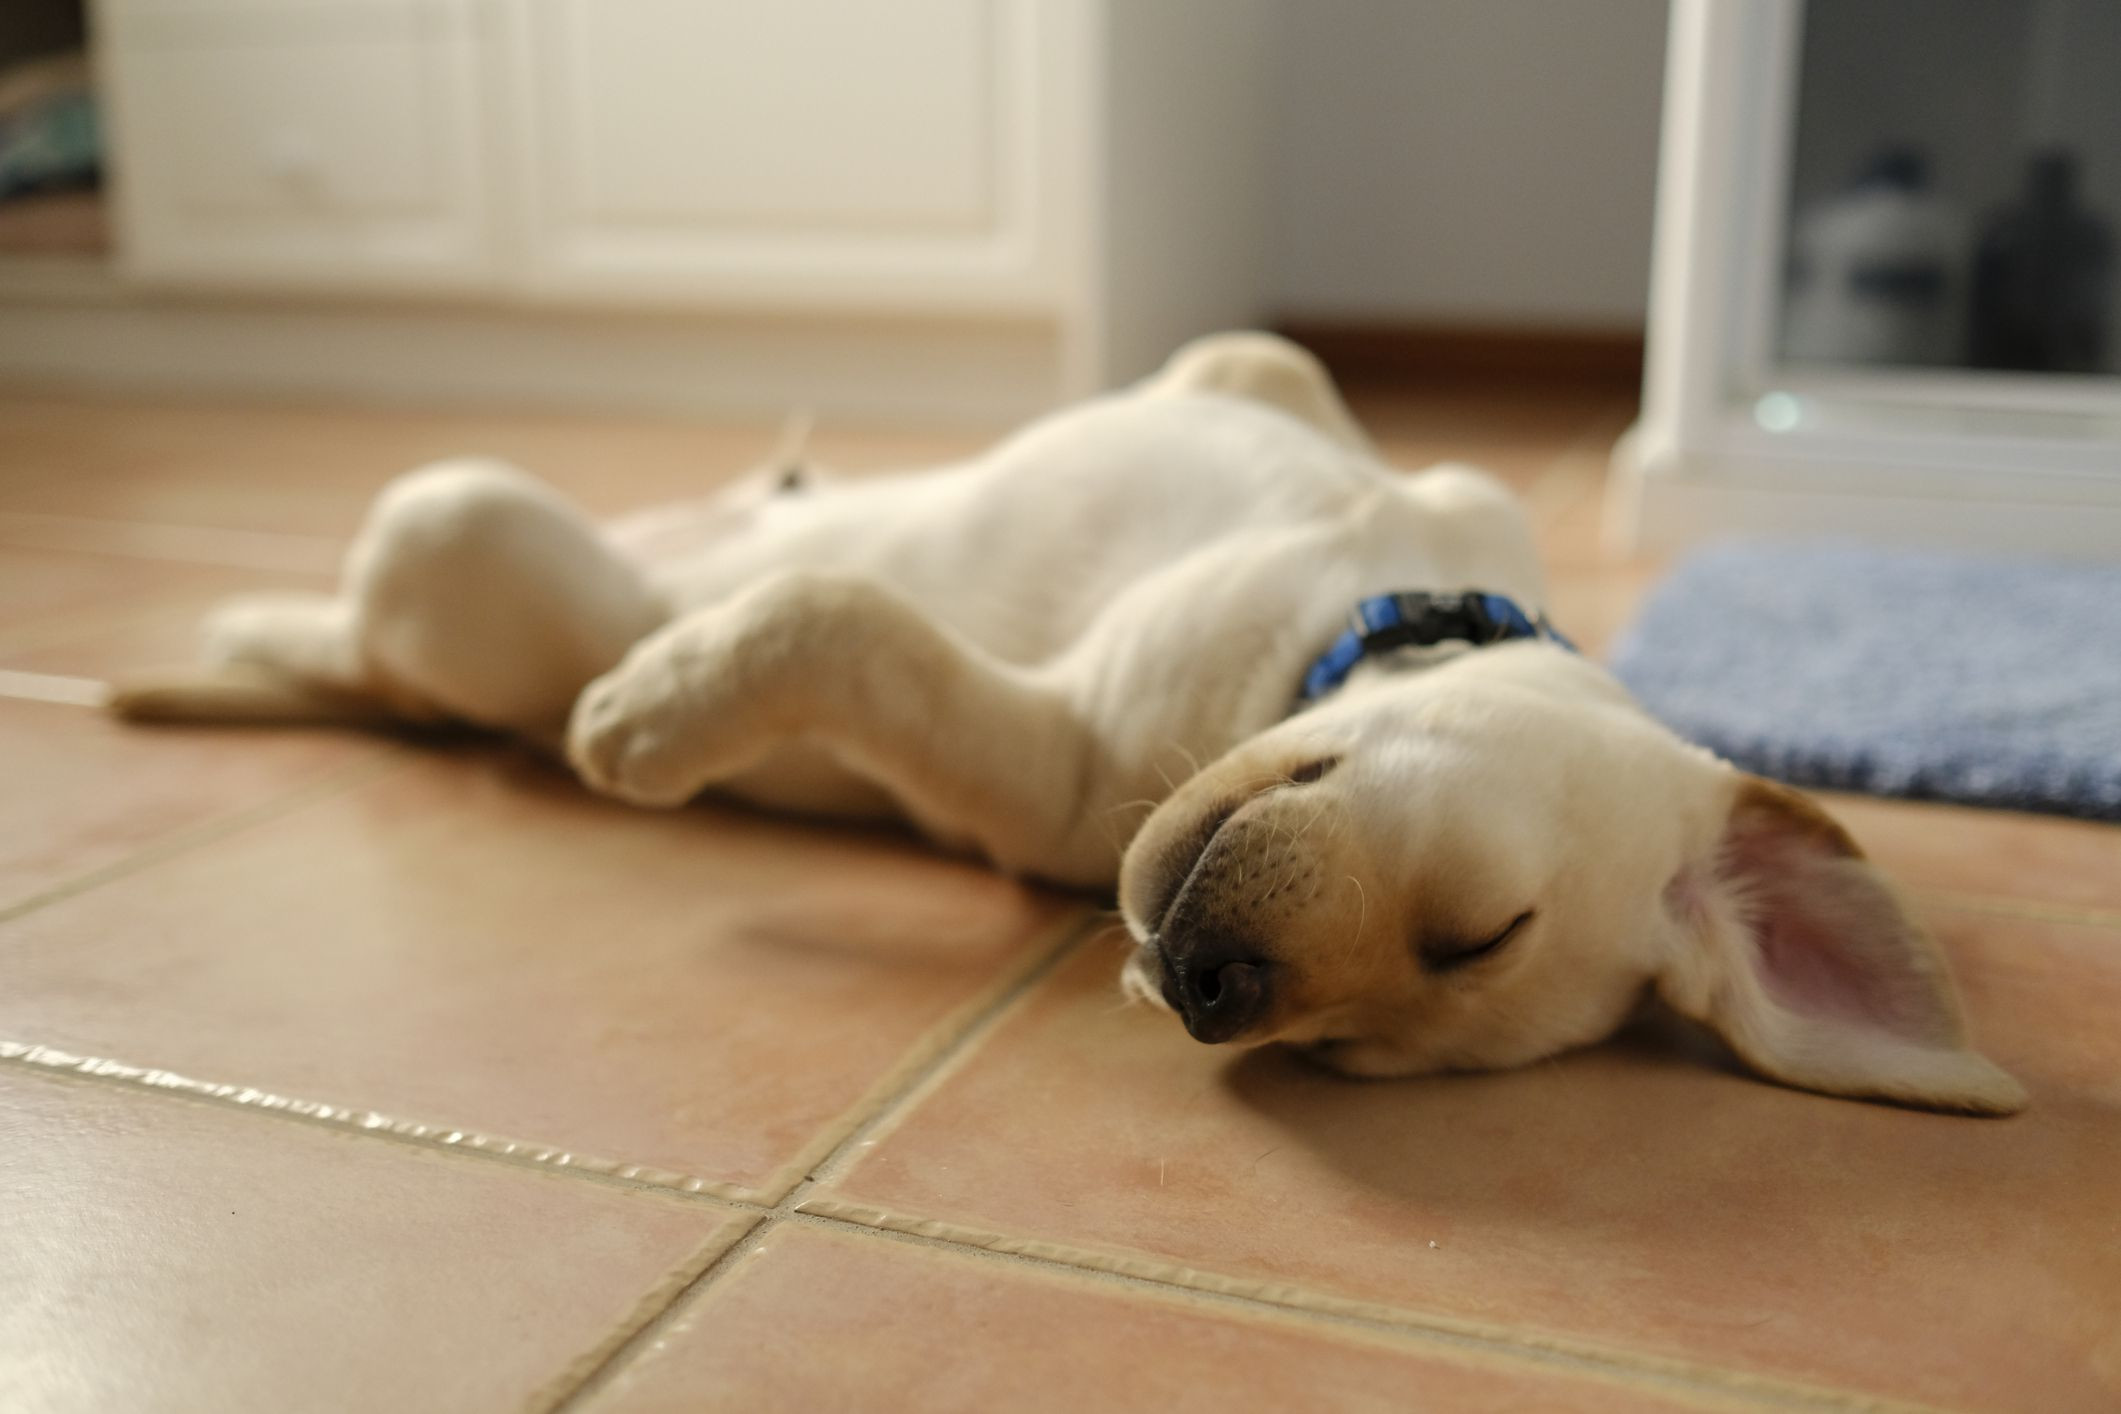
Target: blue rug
x=1894, y=672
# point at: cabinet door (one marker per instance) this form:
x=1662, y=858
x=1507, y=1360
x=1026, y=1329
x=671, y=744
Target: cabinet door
x=801, y=151
x=336, y=144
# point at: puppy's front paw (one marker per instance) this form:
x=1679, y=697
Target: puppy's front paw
x=621, y=740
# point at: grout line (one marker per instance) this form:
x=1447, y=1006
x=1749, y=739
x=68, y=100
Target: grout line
x=913, y=1082
x=648, y=1309
x=2003, y=905
x=541, y=1158
x=802, y=1206
x=1709, y=1386
x=564, y=1395
x=928, y=1051
x=1330, y=1311
x=956, y=1036
x=546, y=1158
x=799, y=1204
x=652, y=1313
x=911, y=1085
x=1554, y=491
x=665, y=1303
x=53, y=687
x=282, y=551
x=339, y=779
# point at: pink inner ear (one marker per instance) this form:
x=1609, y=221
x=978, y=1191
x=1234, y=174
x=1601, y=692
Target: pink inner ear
x=1829, y=939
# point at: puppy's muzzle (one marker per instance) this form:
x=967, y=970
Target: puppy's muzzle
x=1217, y=987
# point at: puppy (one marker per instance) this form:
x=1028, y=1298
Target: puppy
x=1117, y=649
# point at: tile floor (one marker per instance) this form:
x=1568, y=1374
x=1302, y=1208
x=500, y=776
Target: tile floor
x=338, y=1072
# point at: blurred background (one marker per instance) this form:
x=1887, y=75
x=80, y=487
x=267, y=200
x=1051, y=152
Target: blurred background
x=1954, y=175
x=1885, y=298
x=938, y=207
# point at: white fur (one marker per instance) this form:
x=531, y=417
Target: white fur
x=1077, y=653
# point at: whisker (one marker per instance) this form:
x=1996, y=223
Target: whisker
x=1316, y=816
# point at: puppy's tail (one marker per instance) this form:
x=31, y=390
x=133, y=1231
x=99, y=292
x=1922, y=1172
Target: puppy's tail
x=234, y=694
x=273, y=660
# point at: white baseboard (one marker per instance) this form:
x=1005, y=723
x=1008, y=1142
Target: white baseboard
x=969, y=371
x=1654, y=506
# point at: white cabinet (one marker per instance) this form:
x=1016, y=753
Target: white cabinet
x=991, y=203
x=327, y=144
x=813, y=152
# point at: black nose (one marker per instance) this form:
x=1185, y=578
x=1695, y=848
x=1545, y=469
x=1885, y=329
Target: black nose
x=1217, y=991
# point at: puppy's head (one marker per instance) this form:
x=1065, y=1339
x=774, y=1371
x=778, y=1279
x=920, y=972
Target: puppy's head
x=1496, y=859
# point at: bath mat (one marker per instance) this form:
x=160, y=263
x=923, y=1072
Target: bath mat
x=1903, y=673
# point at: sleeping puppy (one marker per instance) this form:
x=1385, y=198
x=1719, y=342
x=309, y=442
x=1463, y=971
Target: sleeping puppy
x=1117, y=648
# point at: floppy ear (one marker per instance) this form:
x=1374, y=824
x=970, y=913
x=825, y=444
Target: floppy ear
x=1796, y=952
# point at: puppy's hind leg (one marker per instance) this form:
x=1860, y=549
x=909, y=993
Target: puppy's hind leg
x=1265, y=368
x=472, y=593
x=481, y=591
x=273, y=658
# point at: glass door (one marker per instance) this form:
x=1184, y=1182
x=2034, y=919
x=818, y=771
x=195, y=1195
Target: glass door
x=1950, y=221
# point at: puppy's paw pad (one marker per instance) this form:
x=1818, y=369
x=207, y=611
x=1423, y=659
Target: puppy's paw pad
x=618, y=749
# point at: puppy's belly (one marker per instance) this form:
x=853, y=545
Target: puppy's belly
x=808, y=780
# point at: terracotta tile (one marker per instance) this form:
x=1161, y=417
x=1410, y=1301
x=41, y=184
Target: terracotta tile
x=161, y=477
x=312, y=471
x=272, y=551
x=815, y=1319
x=2040, y=859
x=1569, y=501
x=99, y=615
x=1592, y=604
x=83, y=792
x=39, y=588
x=1517, y=434
x=243, y=467
x=1572, y=530
x=164, y=1254
x=2053, y=990
x=472, y=941
x=1628, y=1195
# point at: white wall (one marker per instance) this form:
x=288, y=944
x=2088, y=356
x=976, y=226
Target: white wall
x=1476, y=161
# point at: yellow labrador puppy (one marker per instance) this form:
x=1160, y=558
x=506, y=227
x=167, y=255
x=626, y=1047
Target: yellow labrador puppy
x=1118, y=648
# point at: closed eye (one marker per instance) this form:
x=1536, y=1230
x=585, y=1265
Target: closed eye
x=1313, y=770
x=1450, y=956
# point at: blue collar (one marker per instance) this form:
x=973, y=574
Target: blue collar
x=1417, y=619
